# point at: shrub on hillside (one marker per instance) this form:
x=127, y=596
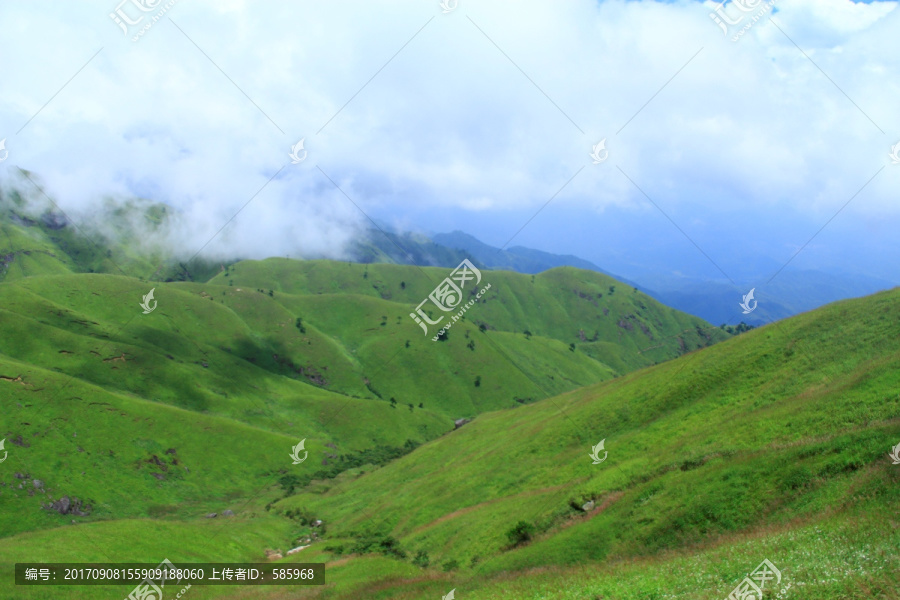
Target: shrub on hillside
x=520, y=533
x=421, y=559
x=375, y=543
x=379, y=455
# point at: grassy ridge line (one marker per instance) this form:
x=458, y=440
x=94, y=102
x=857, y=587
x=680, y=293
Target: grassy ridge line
x=344, y=337
x=740, y=413
x=185, y=360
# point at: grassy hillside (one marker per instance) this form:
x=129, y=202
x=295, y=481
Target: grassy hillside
x=721, y=451
x=157, y=419
x=785, y=427
x=771, y=445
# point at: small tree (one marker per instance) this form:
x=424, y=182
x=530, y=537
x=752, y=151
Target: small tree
x=572, y=347
x=527, y=334
x=477, y=380
x=520, y=533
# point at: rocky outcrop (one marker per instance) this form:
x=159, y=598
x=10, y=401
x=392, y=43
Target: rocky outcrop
x=65, y=506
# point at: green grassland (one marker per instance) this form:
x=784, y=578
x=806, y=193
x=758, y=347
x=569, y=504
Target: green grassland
x=770, y=445
x=788, y=425
x=722, y=450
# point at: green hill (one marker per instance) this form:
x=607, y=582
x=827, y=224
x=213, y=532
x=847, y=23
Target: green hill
x=193, y=408
x=772, y=444
x=776, y=435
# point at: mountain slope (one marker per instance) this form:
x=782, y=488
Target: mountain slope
x=785, y=424
x=770, y=445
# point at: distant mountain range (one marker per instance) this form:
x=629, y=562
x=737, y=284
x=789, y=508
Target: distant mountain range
x=716, y=301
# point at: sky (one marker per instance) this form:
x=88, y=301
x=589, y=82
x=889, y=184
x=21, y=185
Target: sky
x=727, y=151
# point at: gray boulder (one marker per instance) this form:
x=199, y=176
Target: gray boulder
x=65, y=506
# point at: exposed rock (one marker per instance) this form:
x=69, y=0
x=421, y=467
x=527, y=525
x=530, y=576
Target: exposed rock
x=211, y=515
x=273, y=554
x=21, y=475
x=53, y=220
x=296, y=550
x=316, y=523
x=460, y=422
x=64, y=506
x=170, y=451
x=159, y=476
x=228, y=513
x=38, y=483
x=588, y=506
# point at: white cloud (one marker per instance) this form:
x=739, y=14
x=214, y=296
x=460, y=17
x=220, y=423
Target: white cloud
x=450, y=122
